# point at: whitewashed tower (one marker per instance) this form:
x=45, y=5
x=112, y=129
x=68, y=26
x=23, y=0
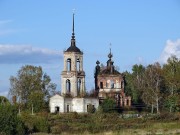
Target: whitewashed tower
x=73, y=76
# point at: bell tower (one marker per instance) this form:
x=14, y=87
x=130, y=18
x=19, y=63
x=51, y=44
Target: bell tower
x=73, y=76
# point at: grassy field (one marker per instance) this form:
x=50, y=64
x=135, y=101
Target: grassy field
x=161, y=130
x=112, y=124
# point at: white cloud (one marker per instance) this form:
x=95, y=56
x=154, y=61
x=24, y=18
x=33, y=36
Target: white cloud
x=171, y=48
x=15, y=54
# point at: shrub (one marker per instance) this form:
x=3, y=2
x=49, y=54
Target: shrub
x=35, y=123
x=91, y=109
x=166, y=116
x=108, y=105
x=58, y=129
x=41, y=124
x=75, y=115
x=10, y=123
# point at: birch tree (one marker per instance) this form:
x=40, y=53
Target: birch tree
x=152, y=92
x=29, y=82
x=171, y=72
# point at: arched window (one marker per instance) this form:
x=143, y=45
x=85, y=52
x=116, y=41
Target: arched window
x=79, y=86
x=106, y=84
x=68, y=86
x=101, y=85
x=68, y=108
x=122, y=84
x=69, y=64
x=112, y=84
x=78, y=65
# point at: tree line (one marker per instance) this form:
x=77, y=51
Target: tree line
x=155, y=85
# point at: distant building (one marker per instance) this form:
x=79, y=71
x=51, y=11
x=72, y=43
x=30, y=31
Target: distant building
x=109, y=83
x=72, y=83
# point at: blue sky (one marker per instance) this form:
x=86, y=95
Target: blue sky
x=37, y=31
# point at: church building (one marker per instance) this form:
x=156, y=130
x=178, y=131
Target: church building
x=72, y=83
x=109, y=83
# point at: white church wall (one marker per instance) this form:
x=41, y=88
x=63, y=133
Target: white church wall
x=71, y=104
x=78, y=105
x=68, y=104
x=92, y=101
x=56, y=101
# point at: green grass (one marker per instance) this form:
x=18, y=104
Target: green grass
x=111, y=124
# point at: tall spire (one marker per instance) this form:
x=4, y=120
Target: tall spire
x=110, y=54
x=73, y=47
x=73, y=28
x=73, y=42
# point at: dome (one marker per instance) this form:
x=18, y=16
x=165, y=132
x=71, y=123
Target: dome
x=73, y=49
x=108, y=72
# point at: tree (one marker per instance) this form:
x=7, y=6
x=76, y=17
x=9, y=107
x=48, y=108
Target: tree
x=171, y=72
x=134, y=82
x=31, y=82
x=152, y=86
x=138, y=72
x=4, y=100
x=11, y=124
x=36, y=101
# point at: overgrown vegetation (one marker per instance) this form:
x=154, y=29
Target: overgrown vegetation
x=10, y=122
x=74, y=123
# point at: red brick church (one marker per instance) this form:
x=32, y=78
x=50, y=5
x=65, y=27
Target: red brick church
x=109, y=83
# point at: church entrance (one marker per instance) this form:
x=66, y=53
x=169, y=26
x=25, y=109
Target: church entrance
x=68, y=108
x=57, y=109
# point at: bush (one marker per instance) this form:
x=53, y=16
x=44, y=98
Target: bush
x=10, y=123
x=108, y=105
x=35, y=123
x=166, y=116
x=91, y=109
x=41, y=125
x=58, y=129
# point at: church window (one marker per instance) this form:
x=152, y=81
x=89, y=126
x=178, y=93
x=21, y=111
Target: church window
x=112, y=84
x=78, y=65
x=101, y=85
x=122, y=84
x=127, y=102
x=106, y=84
x=69, y=64
x=79, y=86
x=68, y=86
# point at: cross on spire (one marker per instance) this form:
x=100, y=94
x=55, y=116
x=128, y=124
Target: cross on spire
x=73, y=42
x=110, y=54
